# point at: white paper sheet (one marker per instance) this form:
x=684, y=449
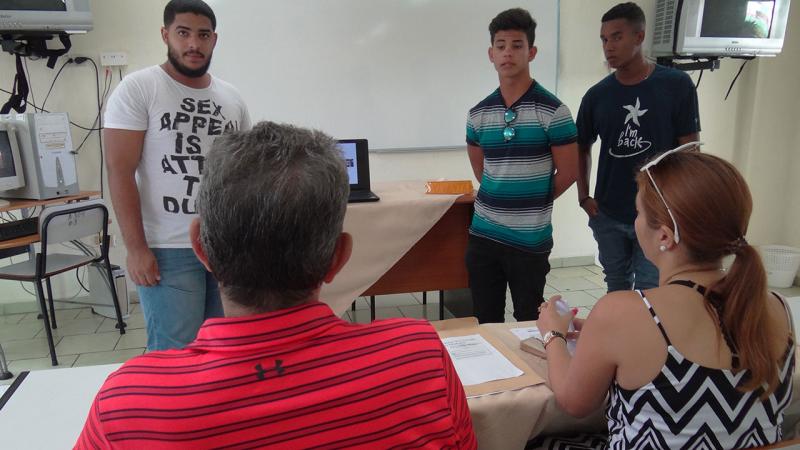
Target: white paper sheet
x=527, y=332
x=477, y=361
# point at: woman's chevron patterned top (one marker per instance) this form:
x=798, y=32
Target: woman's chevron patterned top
x=695, y=407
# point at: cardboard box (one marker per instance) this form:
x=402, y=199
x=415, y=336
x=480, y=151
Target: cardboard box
x=449, y=187
x=533, y=346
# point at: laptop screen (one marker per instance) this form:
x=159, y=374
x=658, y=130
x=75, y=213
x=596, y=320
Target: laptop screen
x=350, y=160
x=356, y=158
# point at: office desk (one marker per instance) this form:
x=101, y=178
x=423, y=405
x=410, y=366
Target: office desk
x=46, y=409
x=407, y=242
x=58, y=400
x=508, y=419
x=25, y=204
x=435, y=262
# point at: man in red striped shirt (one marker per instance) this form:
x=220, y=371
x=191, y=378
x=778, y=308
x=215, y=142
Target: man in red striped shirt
x=280, y=370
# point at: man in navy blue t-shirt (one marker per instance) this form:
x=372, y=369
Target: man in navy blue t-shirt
x=638, y=111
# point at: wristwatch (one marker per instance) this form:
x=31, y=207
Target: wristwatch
x=550, y=335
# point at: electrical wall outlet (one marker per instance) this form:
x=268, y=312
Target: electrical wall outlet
x=110, y=59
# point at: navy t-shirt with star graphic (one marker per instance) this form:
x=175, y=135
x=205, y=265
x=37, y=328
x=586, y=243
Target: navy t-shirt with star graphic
x=634, y=123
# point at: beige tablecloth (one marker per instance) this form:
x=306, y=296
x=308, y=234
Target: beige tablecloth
x=382, y=233
x=507, y=420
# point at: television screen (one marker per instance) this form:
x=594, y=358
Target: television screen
x=33, y=5
x=737, y=18
x=6, y=157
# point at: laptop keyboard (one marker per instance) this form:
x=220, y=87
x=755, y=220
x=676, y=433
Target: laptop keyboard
x=361, y=196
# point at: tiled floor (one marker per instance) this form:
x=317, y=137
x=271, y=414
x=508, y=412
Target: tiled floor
x=83, y=338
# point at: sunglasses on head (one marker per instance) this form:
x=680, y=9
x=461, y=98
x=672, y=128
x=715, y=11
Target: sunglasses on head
x=689, y=146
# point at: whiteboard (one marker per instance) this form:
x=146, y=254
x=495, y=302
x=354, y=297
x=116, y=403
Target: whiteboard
x=401, y=73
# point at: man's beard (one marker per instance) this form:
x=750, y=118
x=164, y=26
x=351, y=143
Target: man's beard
x=185, y=71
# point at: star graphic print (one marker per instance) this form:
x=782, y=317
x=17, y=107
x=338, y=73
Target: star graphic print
x=631, y=142
x=634, y=112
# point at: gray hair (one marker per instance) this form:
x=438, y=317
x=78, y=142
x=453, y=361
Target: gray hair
x=271, y=205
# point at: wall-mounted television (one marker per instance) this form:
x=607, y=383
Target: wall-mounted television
x=45, y=16
x=719, y=27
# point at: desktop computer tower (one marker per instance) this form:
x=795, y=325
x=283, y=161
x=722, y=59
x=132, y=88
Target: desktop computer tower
x=45, y=147
x=100, y=294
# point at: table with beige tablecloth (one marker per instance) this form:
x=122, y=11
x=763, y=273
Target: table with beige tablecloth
x=382, y=233
x=504, y=420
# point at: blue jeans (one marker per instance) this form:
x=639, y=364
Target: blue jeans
x=185, y=297
x=624, y=263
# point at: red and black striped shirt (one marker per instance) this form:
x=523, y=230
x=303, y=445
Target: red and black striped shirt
x=291, y=379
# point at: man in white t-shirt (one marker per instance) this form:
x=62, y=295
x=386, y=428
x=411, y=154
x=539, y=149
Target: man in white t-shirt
x=159, y=124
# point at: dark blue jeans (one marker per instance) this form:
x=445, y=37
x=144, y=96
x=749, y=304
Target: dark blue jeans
x=624, y=263
x=493, y=267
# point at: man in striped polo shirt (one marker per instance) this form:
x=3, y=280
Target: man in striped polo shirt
x=521, y=144
x=280, y=370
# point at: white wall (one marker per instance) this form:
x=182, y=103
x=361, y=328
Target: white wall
x=772, y=163
x=755, y=127
x=791, y=225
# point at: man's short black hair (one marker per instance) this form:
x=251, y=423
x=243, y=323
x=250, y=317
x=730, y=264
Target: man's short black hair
x=198, y=7
x=629, y=11
x=516, y=19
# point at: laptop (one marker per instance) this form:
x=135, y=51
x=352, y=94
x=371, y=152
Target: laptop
x=356, y=159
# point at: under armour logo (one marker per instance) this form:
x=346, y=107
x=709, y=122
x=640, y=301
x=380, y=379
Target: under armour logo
x=261, y=373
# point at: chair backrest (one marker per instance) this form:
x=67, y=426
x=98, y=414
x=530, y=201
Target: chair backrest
x=72, y=221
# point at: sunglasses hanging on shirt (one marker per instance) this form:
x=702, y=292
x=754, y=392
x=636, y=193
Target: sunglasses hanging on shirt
x=508, y=132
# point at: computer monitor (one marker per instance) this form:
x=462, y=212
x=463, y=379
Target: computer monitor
x=40, y=146
x=11, y=172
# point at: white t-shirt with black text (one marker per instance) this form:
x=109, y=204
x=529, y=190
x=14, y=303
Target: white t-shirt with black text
x=181, y=123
